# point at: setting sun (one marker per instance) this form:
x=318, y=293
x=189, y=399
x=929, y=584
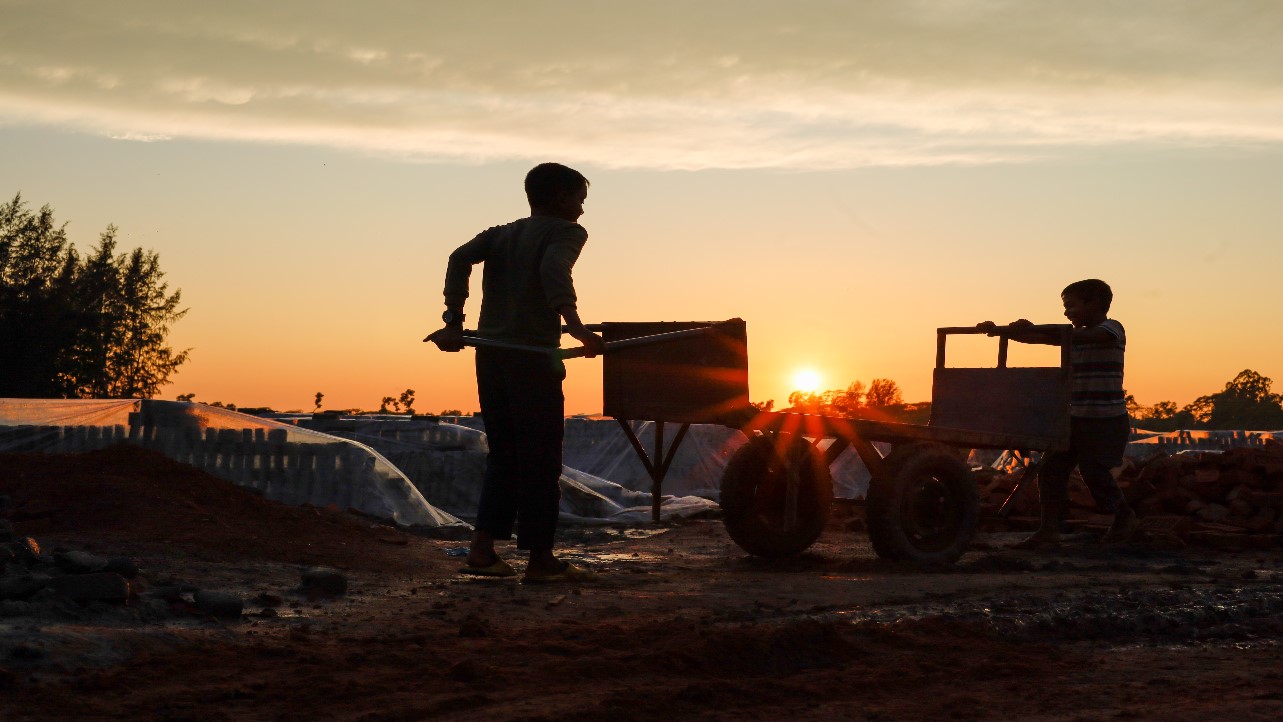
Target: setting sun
x=806, y=380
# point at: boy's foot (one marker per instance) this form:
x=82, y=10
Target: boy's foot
x=1123, y=529
x=1041, y=539
x=562, y=572
x=494, y=567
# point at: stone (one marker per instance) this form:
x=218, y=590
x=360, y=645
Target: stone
x=96, y=587
x=324, y=582
x=1213, y=512
x=219, y=604
x=25, y=550
x=79, y=562
x=266, y=599
x=14, y=586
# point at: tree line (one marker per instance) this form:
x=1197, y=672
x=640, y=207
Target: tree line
x=881, y=398
x=1246, y=402
x=74, y=326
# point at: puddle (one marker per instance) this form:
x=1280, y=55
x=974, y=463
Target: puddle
x=1152, y=616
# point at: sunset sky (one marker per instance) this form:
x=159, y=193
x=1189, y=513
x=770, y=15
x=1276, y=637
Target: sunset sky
x=845, y=176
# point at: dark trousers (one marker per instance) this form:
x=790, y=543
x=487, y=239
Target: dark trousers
x=524, y=411
x=1095, y=447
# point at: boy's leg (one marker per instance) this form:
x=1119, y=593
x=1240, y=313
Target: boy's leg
x=539, y=412
x=497, y=507
x=1053, y=495
x=1101, y=451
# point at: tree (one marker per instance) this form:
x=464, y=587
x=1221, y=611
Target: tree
x=1246, y=402
x=73, y=327
x=404, y=402
x=319, y=396
x=883, y=392
x=407, y=400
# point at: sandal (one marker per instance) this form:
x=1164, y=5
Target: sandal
x=498, y=568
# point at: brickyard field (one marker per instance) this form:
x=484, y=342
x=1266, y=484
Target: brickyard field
x=133, y=586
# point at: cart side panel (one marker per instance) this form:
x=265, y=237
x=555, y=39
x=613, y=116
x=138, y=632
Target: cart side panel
x=1021, y=401
x=697, y=380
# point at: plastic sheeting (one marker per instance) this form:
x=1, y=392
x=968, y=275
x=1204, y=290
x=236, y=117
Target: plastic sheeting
x=446, y=462
x=599, y=447
x=283, y=462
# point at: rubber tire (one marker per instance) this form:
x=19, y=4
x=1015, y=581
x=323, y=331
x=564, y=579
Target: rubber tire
x=753, y=488
x=927, y=510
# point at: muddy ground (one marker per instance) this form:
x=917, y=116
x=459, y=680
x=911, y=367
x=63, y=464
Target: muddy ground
x=681, y=625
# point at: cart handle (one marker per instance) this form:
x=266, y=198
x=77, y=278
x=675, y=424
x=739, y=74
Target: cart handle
x=470, y=338
x=1004, y=336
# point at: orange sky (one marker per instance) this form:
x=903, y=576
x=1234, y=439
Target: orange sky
x=845, y=177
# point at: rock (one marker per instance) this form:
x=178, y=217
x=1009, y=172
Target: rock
x=264, y=599
x=15, y=586
x=25, y=550
x=324, y=582
x=7, y=678
x=79, y=562
x=219, y=604
x=7, y=534
x=124, y=566
x=1213, y=512
x=96, y=587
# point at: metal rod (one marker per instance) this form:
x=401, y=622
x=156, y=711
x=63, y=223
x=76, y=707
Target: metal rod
x=471, y=339
x=1029, y=472
x=657, y=478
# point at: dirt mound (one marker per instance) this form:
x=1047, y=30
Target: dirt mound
x=126, y=494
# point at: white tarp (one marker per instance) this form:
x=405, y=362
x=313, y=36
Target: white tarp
x=283, y=462
x=446, y=462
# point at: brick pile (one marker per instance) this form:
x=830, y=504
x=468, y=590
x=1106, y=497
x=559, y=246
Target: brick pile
x=1229, y=500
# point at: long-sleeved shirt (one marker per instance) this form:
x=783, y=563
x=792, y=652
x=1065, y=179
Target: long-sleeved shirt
x=525, y=280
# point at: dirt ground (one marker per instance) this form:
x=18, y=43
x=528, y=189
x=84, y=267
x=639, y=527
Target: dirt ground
x=681, y=625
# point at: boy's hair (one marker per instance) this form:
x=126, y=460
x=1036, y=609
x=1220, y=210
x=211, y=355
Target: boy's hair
x=1092, y=289
x=546, y=181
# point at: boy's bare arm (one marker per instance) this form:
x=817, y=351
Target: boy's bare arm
x=575, y=327
x=1022, y=330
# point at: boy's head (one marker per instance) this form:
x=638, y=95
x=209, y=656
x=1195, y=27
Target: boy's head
x=1087, y=302
x=556, y=190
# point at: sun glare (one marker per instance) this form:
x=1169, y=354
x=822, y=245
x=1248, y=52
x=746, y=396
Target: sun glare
x=806, y=380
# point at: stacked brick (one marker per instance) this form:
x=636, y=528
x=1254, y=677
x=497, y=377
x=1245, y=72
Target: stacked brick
x=1229, y=500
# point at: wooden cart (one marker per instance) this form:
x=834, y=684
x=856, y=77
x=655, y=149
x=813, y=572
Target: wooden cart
x=776, y=491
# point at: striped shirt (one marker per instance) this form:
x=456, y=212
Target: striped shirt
x=1097, y=383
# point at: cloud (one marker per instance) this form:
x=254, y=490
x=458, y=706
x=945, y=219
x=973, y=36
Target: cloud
x=665, y=84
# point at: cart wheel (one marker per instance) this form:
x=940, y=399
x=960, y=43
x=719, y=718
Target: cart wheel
x=776, y=494
x=927, y=510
